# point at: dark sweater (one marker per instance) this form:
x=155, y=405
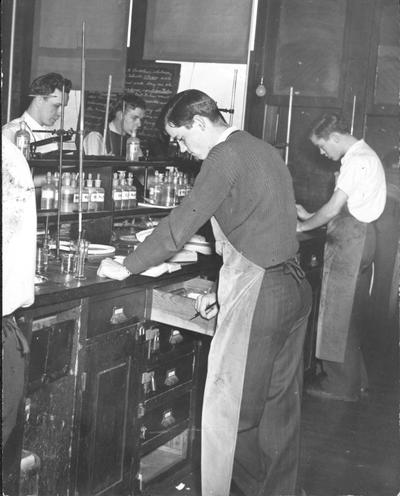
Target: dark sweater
x=115, y=143
x=246, y=185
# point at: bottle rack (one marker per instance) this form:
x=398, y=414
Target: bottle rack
x=106, y=167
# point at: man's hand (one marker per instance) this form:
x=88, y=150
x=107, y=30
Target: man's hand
x=206, y=304
x=112, y=269
x=302, y=213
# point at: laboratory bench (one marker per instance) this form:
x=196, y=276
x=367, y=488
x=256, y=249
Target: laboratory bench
x=113, y=396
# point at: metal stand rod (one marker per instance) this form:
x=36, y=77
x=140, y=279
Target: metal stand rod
x=235, y=73
x=60, y=168
x=107, y=112
x=288, y=125
x=353, y=113
x=121, y=139
x=81, y=130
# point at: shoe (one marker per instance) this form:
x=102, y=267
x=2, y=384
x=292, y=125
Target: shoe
x=317, y=391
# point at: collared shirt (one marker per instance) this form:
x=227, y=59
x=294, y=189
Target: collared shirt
x=18, y=229
x=362, y=178
x=93, y=142
x=226, y=133
x=12, y=127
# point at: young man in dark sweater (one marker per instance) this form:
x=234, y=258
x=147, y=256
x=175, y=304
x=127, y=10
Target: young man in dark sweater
x=251, y=409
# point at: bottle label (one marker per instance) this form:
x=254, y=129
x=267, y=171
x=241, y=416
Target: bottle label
x=132, y=194
x=21, y=142
x=48, y=194
x=125, y=195
x=100, y=197
x=117, y=195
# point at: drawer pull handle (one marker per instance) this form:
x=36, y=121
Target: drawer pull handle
x=168, y=419
x=175, y=337
x=171, y=378
x=118, y=316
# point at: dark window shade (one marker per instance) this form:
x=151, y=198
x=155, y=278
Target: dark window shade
x=57, y=41
x=198, y=30
x=388, y=62
x=310, y=47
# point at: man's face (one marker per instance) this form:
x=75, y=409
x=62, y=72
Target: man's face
x=49, y=107
x=190, y=139
x=330, y=147
x=132, y=119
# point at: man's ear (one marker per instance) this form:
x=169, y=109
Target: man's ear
x=335, y=136
x=200, y=121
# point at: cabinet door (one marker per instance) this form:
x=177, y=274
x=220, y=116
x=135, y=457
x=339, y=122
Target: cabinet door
x=107, y=463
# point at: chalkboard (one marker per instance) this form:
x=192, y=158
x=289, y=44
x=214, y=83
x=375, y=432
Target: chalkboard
x=155, y=83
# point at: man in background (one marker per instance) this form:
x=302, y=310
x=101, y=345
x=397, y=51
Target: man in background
x=43, y=111
x=18, y=272
x=125, y=119
x=358, y=200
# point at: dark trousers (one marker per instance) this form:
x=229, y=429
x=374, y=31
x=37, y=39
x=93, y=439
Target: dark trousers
x=267, y=449
x=14, y=349
x=348, y=377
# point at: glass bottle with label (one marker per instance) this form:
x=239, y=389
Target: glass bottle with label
x=99, y=193
x=132, y=203
x=56, y=182
x=116, y=193
x=47, y=194
x=124, y=193
x=133, y=150
x=92, y=200
x=23, y=139
x=67, y=194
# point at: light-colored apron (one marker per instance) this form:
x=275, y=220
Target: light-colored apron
x=344, y=247
x=238, y=288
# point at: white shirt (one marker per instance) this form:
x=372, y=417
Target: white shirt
x=362, y=178
x=18, y=229
x=226, y=133
x=93, y=141
x=12, y=127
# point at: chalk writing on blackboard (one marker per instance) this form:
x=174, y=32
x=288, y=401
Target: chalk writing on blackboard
x=155, y=83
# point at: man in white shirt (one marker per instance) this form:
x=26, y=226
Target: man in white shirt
x=357, y=201
x=43, y=111
x=125, y=119
x=18, y=272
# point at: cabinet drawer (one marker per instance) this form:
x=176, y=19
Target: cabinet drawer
x=158, y=380
x=158, y=423
x=174, y=304
x=164, y=343
x=115, y=311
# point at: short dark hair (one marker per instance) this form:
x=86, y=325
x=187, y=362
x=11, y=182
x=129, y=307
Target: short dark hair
x=328, y=124
x=129, y=100
x=181, y=109
x=46, y=84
